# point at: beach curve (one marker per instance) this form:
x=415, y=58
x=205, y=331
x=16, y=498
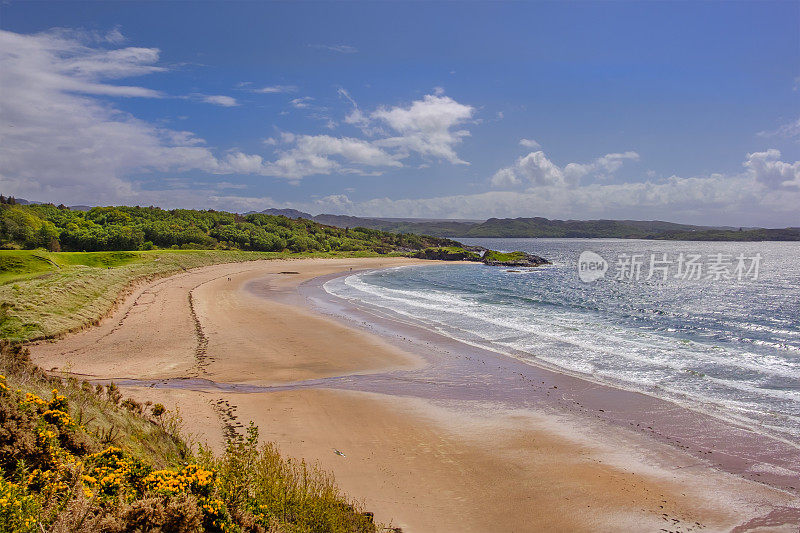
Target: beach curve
x=425, y=465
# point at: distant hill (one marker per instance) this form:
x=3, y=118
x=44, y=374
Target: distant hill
x=439, y=228
x=288, y=213
x=512, y=227
x=543, y=227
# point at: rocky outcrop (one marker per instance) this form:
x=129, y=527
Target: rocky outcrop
x=484, y=255
x=513, y=259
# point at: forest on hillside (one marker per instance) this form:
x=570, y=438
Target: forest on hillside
x=58, y=228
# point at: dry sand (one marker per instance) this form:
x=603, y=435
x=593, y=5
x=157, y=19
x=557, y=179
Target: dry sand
x=420, y=464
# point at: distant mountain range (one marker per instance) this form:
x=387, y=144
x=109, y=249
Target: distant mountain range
x=537, y=227
x=543, y=227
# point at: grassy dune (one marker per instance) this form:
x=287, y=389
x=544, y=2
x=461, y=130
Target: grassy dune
x=44, y=294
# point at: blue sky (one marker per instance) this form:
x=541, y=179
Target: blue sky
x=678, y=111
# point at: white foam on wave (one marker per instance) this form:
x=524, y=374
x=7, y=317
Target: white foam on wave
x=587, y=343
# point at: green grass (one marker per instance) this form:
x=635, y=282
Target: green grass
x=503, y=257
x=44, y=294
x=447, y=253
x=18, y=265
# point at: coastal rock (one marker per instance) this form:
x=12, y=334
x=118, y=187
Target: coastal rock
x=480, y=250
x=513, y=259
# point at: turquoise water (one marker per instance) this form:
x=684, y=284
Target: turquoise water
x=730, y=347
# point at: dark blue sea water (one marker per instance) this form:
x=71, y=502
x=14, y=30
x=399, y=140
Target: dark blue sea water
x=725, y=343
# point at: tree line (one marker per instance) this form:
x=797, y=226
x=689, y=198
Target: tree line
x=58, y=228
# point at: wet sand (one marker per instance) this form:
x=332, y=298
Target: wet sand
x=425, y=447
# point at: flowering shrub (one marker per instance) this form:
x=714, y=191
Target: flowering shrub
x=18, y=508
x=59, y=471
x=109, y=480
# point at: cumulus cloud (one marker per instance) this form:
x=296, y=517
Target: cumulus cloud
x=537, y=170
x=767, y=168
x=426, y=127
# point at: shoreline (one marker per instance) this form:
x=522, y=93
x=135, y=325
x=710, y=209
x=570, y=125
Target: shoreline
x=313, y=383
x=741, y=450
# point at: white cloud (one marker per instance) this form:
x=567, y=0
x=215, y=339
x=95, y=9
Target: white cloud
x=302, y=103
x=788, y=131
x=51, y=62
x=324, y=154
x=426, y=127
x=340, y=48
x=55, y=140
x=529, y=143
x=767, y=168
x=613, y=162
x=537, y=170
x=217, y=99
x=358, y=118
x=341, y=91
x=58, y=142
x=717, y=199
x=274, y=89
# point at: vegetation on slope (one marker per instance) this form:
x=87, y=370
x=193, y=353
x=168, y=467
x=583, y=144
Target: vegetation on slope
x=145, y=228
x=76, y=457
x=759, y=234
x=448, y=253
x=503, y=257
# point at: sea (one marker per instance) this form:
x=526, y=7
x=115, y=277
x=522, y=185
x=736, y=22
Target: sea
x=712, y=326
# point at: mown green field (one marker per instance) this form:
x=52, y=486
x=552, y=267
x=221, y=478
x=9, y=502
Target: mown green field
x=43, y=294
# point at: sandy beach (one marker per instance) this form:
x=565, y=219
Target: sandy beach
x=229, y=344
